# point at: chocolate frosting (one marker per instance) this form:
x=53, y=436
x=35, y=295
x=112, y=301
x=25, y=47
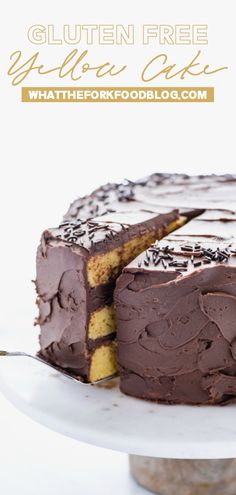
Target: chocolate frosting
x=173, y=191
x=62, y=294
x=176, y=311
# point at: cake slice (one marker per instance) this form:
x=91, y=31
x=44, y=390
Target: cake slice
x=77, y=265
x=176, y=315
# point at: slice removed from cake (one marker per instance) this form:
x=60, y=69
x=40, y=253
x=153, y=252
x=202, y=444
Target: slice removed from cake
x=77, y=265
x=176, y=316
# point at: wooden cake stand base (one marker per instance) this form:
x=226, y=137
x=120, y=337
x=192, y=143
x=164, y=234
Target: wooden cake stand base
x=185, y=477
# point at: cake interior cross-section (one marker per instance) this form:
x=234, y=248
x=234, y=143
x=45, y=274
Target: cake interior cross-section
x=170, y=240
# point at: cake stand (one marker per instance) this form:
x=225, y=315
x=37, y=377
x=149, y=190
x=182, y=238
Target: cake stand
x=173, y=449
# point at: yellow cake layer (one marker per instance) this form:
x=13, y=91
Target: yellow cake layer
x=103, y=362
x=102, y=322
x=179, y=222
x=104, y=267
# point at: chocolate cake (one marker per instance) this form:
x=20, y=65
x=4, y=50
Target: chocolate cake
x=78, y=264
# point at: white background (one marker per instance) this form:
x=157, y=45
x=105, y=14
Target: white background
x=52, y=153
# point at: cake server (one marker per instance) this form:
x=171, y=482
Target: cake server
x=59, y=370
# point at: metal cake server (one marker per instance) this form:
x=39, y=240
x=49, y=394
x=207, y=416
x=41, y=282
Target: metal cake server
x=59, y=370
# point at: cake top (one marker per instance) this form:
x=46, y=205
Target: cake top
x=184, y=256
x=100, y=217
x=104, y=232
x=206, y=241
x=168, y=190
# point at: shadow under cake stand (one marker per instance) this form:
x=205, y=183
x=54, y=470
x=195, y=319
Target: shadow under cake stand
x=172, y=449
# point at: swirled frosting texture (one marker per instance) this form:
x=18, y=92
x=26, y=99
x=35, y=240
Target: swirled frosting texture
x=176, y=312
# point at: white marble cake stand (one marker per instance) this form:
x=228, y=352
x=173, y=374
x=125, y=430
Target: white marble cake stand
x=102, y=416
